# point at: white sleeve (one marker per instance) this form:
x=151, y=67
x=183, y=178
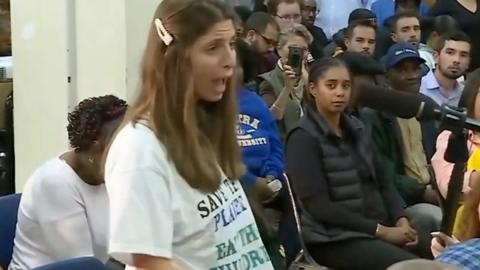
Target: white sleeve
x=136, y=177
x=62, y=219
x=68, y=237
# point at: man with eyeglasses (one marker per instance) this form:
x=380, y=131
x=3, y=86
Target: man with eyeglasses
x=285, y=12
x=309, y=13
x=261, y=32
x=261, y=35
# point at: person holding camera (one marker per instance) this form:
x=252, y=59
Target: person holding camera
x=283, y=87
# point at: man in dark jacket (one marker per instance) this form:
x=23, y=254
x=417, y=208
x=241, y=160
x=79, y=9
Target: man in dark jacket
x=401, y=142
x=320, y=40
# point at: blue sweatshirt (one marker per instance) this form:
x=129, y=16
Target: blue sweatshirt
x=258, y=137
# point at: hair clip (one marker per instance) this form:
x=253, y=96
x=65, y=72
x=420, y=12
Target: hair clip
x=163, y=33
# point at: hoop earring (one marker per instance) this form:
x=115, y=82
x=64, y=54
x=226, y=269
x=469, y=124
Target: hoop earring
x=91, y=160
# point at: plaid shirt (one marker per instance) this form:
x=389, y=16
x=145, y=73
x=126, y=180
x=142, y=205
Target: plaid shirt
x=465, y=255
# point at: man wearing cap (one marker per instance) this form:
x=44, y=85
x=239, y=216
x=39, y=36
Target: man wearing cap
x=405, y=143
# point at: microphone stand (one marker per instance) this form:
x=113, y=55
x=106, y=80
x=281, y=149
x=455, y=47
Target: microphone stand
x=456, y=153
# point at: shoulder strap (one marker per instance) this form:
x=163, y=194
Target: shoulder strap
x=306, y=254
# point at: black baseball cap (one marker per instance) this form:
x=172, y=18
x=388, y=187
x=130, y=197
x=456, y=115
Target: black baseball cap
x=401, y=51
x=361, y=64
x=361, y=14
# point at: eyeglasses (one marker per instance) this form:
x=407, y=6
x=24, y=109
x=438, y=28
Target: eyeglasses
x=269, y=41
x=289, y=17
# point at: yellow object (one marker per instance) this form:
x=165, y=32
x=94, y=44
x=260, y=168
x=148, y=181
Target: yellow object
x=474, y=160
x=472, y=164
x=457, y=225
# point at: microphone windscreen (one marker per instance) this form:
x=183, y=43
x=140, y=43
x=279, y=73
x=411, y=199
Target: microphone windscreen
x=430, y=109
x=401, y=104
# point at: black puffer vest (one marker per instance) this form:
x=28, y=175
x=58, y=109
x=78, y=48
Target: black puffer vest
x=341, y=173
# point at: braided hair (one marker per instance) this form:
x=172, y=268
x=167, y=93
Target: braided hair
x=85, y=122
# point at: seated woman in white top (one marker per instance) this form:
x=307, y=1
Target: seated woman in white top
x=63, y=212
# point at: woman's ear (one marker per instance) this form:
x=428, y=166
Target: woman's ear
x=312, y=89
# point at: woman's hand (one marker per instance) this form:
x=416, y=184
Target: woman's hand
x=289, y=77
x=395, y=235
x=263, y=191
x=440, y=242
x=305, y=75
x=411, y=233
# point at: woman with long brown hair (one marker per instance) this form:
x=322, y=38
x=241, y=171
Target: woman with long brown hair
x=170, y=171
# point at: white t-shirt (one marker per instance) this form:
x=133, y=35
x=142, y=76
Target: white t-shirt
x=154, y=211
x=60, y=217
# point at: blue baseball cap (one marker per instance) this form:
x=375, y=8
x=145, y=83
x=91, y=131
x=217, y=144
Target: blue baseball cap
x=402, y=51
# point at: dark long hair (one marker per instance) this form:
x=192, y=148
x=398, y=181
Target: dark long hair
x=317, y=70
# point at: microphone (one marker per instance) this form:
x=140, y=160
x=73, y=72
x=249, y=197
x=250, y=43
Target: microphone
x=408, y=105
x=398, y=103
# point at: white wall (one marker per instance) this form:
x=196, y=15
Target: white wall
x=40, y=82
x=137, y=32
x=101, y=47
x=98, y=43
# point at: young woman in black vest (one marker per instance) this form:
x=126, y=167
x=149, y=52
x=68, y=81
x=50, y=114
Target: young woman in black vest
x=352, y=216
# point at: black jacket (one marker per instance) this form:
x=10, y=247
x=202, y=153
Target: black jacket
x=387, y=138
x=342, y=191
x=320, y=40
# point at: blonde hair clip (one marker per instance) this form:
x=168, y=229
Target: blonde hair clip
x=163, y=33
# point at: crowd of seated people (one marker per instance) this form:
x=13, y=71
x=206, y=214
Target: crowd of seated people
x=369, y=184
